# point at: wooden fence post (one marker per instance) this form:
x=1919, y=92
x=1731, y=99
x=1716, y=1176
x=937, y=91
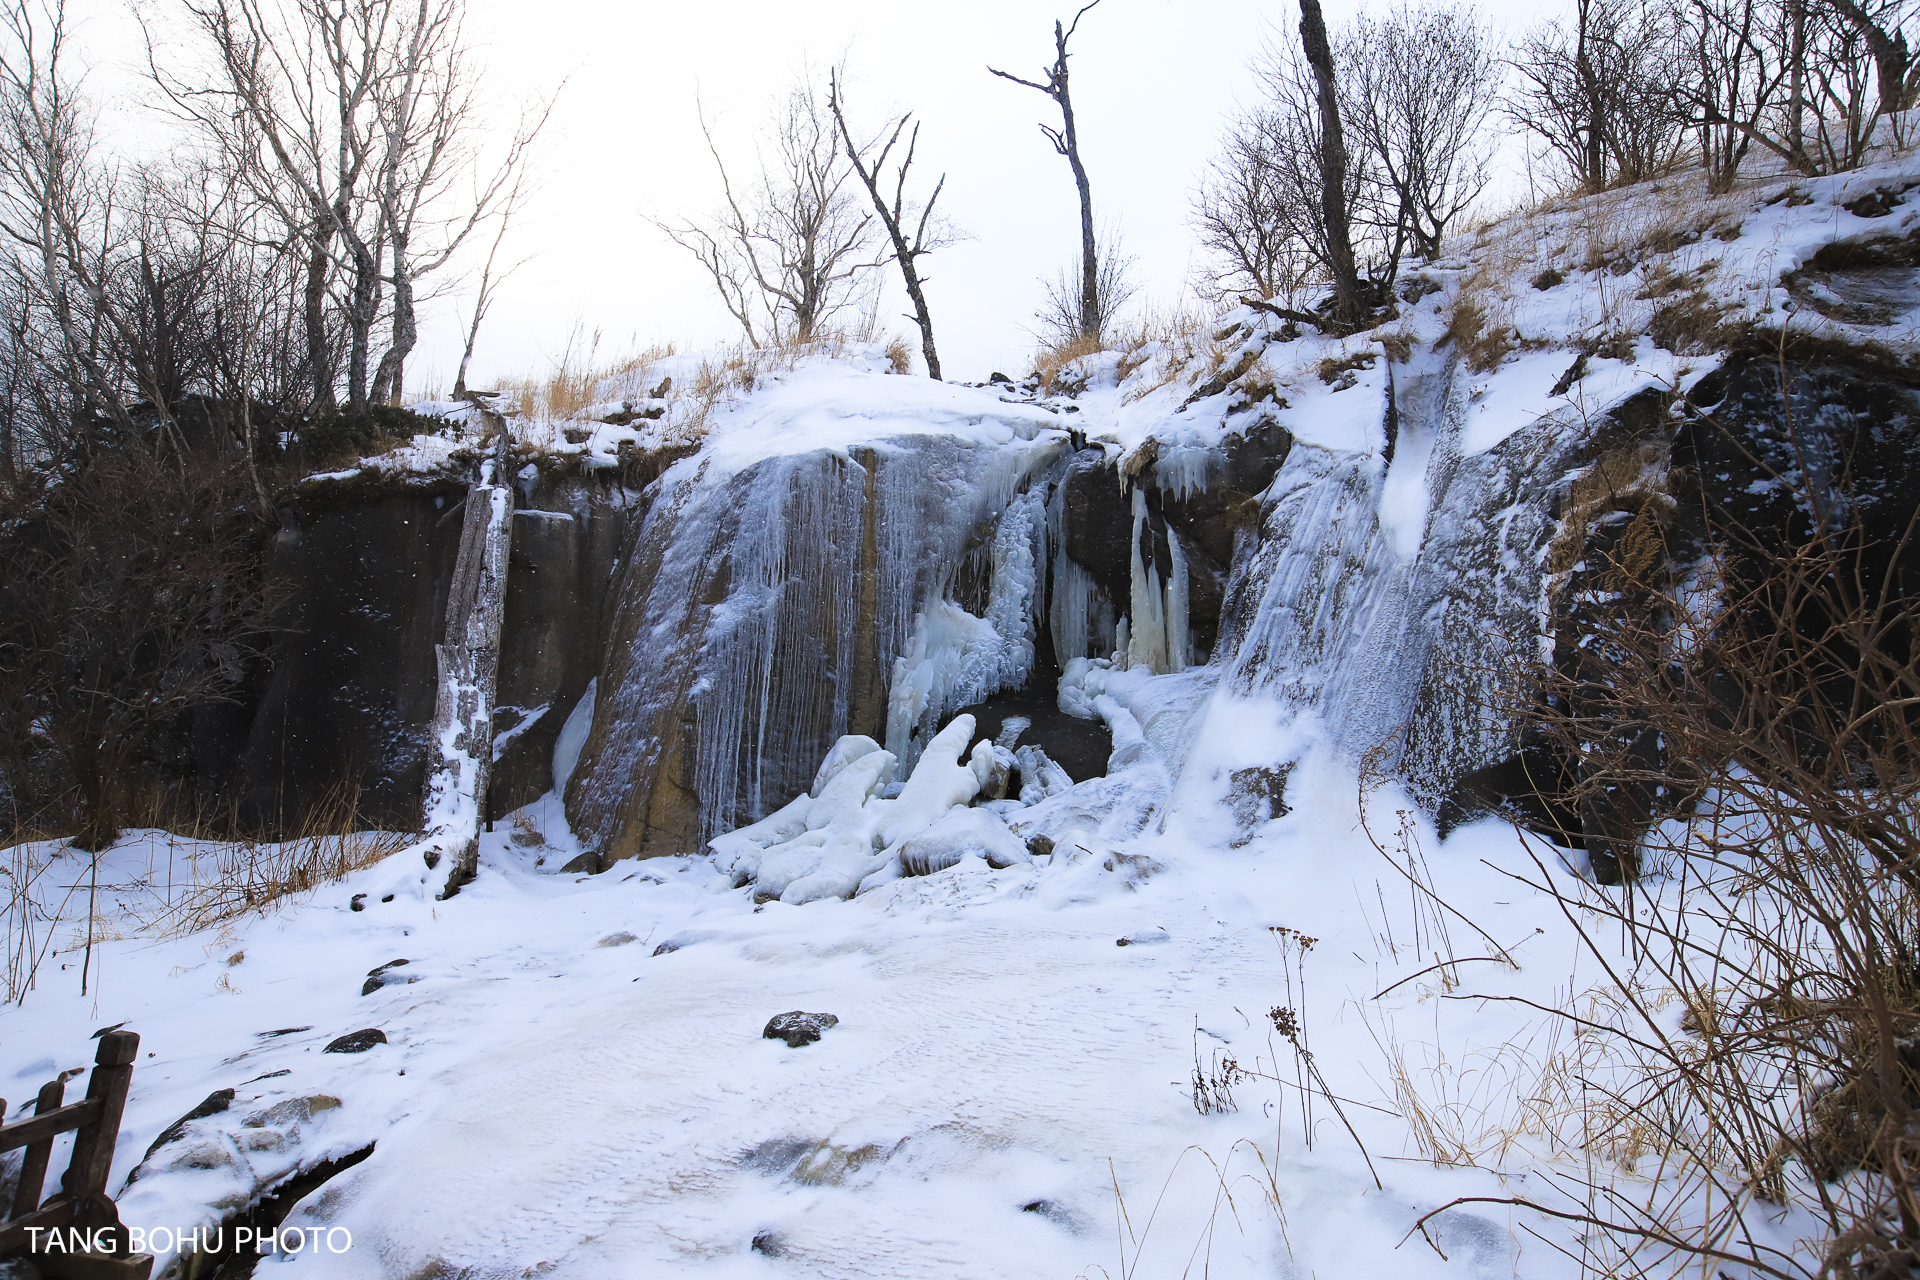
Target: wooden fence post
x=93, y=1143
x=33, y=1169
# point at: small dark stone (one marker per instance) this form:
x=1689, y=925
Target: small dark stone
x=384, y=977
x=998, y=377
x=587, y=864
x=216, y=1102
x=798, y=1028
x=1040, y=846
x=668, y=947
x=769, y=1243
x=388, y=898
x=357, y=1041
x=359, y=902
x=283, y=1031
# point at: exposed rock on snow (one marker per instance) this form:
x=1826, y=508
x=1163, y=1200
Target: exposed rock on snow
x=798, y=1028
x=357, y=1041
x=216, y=1102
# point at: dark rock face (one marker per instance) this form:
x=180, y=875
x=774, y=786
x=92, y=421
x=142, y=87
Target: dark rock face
x=1097, y=520
x=1670, y=483
x=797, y=1028
x=357, y=1041
x=353, y=671
x=566, y=538
x=1081, y=747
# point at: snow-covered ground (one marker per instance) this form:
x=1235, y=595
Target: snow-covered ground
x=574, y=1081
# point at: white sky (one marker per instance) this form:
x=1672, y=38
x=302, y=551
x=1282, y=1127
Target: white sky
x=1153, y=81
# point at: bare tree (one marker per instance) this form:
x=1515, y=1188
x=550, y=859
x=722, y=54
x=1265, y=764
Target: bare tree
x=926, y=235
x=1878, y=23
x=1743, y=59
x=1066, y=141
x=1420, y=85
x=1601, y=95
x=1269, y=196
x=54, y=205
x=430, y=127
x=788, y=253
x=489, y=282
x=1240, y=212
x=293, y=111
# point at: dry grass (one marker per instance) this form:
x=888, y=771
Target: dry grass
x=1051, y=361
x=1482, y=341
x=246, y=878
x=1749, y=1053
x=576, y=381
x=56, y=894
x=229, y=879
x=900, y=356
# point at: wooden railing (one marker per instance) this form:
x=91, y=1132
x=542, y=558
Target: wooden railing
x=90, y=1242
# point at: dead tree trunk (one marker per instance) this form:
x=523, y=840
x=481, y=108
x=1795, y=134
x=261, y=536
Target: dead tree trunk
x=906, y=248
x=1066, y=141
x=1347, y=305
x=456, y=801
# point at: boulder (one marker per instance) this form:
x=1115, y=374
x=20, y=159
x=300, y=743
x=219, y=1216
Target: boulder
x=357, y=1041
x=798, y=1028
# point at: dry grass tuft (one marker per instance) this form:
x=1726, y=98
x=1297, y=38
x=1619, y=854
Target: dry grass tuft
x=900, y=356
x=1480, y=341
x=1690, y=324
x=1052, y=360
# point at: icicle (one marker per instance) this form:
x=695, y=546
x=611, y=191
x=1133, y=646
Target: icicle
x=955, y=659
x=1147, y=645
x=1082, y=616
x=1186, y=469
x=1178, y=640
x=1121, y=645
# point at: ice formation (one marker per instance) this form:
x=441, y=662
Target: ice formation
x=842, y=835
x=767, y=604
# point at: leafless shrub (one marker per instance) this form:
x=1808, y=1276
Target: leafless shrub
x=130, y=594
x=791, y=250
x=1062, y=314
x=1422, y=82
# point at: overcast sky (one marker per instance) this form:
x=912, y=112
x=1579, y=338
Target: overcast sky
x=1152, y=82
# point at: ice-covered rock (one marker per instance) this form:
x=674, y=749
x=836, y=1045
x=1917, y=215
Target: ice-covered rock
x=845, y=752
x=1040, y=777
x=962, y=833
x=830, y=844
x=937, y=785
